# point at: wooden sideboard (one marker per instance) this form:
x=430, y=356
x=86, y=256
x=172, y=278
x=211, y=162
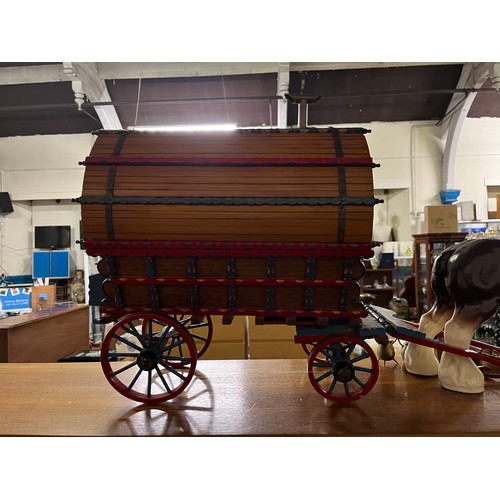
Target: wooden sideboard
x=44, y=336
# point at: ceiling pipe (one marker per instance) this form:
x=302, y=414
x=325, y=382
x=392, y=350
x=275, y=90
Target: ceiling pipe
x=156, y=102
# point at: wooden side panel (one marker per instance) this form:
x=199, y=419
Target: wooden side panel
x=202, y=181
x=228, y=223
x=231, y=144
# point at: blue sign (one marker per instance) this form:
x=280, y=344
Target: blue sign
x=15, y=299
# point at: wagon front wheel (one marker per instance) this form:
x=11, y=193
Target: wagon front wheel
x=137, y=363
x=342, y=369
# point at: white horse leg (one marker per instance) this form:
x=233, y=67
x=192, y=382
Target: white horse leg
x=421, y=360
x=459, y=373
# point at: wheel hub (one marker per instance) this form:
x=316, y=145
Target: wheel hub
x=343, y=371
x=147, y=360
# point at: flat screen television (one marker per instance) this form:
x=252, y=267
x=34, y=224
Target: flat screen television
x=52, y=237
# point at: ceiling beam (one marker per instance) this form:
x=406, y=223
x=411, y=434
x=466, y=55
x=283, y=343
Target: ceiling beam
x=86, y=81
x=473, y=76
x=132, y=70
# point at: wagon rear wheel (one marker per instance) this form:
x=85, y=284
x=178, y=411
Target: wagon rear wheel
x=140, y=361
x=200, y=330
x=342, y=369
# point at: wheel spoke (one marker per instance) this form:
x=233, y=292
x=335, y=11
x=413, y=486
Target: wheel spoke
x=360, y=383
x=363, y=369
x=332, y=386
x=122, y=354
x=160, y=374
x=134, y=380
x=164, y=333
x=125, y=368
x=178, y=344
x=198, y=337
x=127, y=342
x=325, y=375
x=172, y=370
x=149, y=384
x=360, y=357
x=197, y=325
x=346, y=389
x=328, y=353
x=350, y=350
x=133, y=331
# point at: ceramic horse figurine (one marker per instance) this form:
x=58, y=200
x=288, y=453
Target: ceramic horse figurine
x=466, y=286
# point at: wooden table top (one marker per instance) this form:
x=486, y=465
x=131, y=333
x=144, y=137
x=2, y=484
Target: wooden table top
x=237, y=398
x=24, y=319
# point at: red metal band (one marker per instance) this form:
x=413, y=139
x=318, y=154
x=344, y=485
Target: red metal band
x=225, y=161
x=229, y=282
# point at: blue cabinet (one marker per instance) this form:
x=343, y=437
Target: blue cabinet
x=51, y=264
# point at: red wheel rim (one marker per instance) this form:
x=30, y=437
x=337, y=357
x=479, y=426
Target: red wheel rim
x=342, y=369
x=139, y=367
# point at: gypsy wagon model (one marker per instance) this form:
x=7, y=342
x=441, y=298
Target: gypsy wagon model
x=271, y=224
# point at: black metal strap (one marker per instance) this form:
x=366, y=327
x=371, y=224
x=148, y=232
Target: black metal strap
x=231, y=290
x=346, y=301
x=117, y=292
x=108, y=209
x=270, y=298
x=192, y=274
x=119, y=143
x=311, y=268
x=110, y=186
x=341, y=224
x=110, y=262
x=270, y=290
x=194, y=297
x=232, y=302
x=168, y=200
x=231, y=268
x=153, y=289
x=348, y=269
x=308, y=306
x=192, y=268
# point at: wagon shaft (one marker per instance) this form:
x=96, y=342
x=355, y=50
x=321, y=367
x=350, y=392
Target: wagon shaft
x=254, y=222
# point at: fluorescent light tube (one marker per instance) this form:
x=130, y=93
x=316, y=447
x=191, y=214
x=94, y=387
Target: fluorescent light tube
x=186, y=128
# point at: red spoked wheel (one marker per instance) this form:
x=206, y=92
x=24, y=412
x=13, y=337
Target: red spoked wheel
x=200, y=330
x=342, y=369
x=140, y=361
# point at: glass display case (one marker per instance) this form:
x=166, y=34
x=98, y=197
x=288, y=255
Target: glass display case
x=426, y=248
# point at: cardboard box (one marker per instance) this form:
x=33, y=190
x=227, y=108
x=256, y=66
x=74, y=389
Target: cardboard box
x=498, y=206
x=42, y=297
x=440, y=219
x=466, y=210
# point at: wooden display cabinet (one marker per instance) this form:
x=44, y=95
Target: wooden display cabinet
x=426, y=247
x=379, y=283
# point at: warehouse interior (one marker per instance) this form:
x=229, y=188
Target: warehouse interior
x=432, y=128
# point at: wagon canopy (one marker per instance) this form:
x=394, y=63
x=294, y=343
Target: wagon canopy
x=246, y=195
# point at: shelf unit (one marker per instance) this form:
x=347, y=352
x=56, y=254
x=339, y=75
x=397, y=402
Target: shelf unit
x=379, y=283
x=426, y=247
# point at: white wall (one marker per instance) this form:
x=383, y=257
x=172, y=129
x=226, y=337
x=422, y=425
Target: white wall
x=38, y=170
x=478, y=161
x=42, y=175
